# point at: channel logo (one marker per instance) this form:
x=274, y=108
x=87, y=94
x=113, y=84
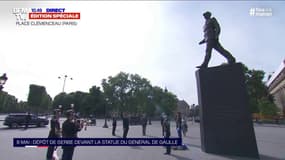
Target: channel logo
x=260, y=12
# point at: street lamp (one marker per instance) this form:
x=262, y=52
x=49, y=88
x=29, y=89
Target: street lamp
x=3, y=80
x=105, y=124
x=64, y=81
x=150, y=100
x=76, y=114
x=60, y=109
x=192, y=110
x=72, y=107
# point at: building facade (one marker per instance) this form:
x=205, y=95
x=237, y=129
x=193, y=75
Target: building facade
x=184, y=108
x=276, y=86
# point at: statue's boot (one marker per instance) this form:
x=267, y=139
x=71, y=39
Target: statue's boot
x=202, y=66
x=232, y=61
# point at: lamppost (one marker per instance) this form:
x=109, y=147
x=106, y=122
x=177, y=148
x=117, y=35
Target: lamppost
x=192, y=111
x=64, y=81
x=60, y=109
x=150, y=100
x=3, y=80
x=72, y=106
x=105, y=124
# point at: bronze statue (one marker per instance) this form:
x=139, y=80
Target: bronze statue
x=211, y=38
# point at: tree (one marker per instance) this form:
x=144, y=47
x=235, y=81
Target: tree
x=95, y=102
x=8, y=103
x=119, y=91
x=22, y=106
x=169, y=102
x=266, y=107
x=134, y=94
x=78, y=100
x=259, y=98
x=165, y=100
x=58, y=100
x=38, y=99
x=84, y=103
x=64, y=100
x=46, y=102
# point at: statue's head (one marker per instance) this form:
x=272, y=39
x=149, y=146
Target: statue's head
x=207, y=15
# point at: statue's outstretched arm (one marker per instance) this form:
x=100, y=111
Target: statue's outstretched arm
x=203, y=41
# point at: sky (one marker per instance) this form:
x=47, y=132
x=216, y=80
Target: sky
x=156, y=39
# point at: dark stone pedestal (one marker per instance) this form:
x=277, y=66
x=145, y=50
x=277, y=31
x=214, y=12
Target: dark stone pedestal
x=225, y=119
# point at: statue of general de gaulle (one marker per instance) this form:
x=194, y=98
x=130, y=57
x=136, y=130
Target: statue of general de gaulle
x=211, y=38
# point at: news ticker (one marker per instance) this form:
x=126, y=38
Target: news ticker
x=44, y=142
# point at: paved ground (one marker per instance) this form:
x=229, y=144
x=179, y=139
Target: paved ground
x=270, y=139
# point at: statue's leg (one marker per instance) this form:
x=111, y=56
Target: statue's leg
x=225, y=53
x=207, y=58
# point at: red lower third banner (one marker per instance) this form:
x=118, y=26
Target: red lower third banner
x=65, y=15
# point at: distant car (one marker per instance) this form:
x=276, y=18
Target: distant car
x=92, y=121
x=16, y=120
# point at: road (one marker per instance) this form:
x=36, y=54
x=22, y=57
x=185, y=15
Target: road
x=270, y=140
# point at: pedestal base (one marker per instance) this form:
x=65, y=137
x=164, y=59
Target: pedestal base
x=225, y=119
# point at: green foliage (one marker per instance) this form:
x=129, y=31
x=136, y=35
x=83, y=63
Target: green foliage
x=132, y=93
x=259, y=99
x=35, y=95
x=59, y=100
x=123, y=92
x=169, y=102
x=84, y=103
x=95, y=102
x=38, y=99
x=126, y=92
x=266, y=107
x=164, y=100
x=66, y=100
x=8, y=103
x=253, y=103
